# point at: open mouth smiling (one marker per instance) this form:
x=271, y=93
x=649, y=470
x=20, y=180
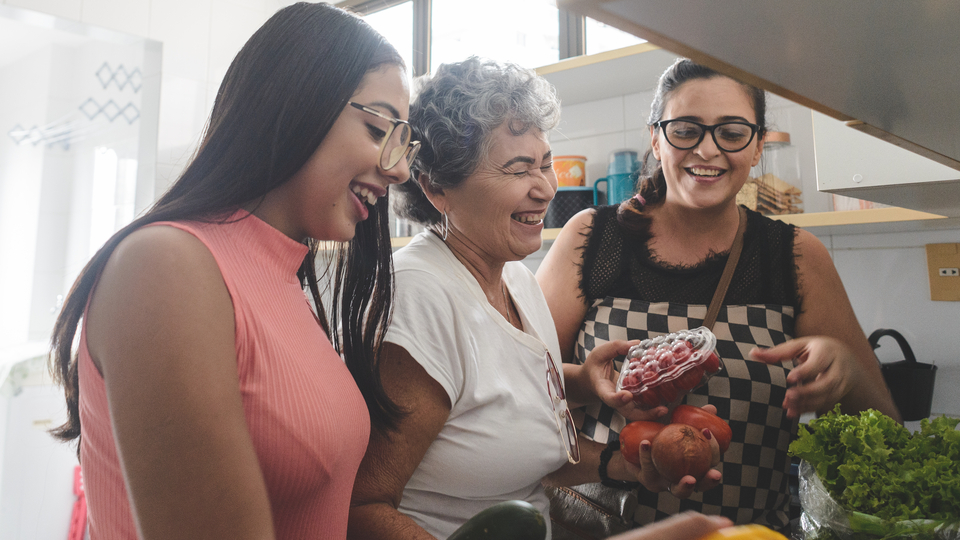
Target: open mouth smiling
x=365, y=195
x=700, y=171
x=529, y=219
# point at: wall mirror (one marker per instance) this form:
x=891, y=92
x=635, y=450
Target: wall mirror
x=78, y=138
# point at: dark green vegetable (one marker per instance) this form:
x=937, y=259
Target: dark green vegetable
x=872, y=465
x=509, y=520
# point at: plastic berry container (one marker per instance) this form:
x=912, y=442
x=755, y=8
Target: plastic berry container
x=661, y=370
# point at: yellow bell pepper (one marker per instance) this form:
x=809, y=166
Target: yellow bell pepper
x=745, y=532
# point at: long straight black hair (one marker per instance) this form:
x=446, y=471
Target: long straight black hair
x=279, y=98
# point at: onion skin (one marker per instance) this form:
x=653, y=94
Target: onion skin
x=680, y=450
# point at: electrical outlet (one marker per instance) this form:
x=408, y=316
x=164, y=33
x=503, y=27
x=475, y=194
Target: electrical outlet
x=943, y=267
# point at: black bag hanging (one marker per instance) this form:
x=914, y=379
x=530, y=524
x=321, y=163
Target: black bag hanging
x=910, y=382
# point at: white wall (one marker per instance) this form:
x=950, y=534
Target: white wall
x=200, y=38
x=885, y=274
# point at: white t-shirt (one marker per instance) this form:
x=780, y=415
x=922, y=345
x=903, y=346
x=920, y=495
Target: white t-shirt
x=501, y=438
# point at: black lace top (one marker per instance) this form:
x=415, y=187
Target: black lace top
x=766, y=272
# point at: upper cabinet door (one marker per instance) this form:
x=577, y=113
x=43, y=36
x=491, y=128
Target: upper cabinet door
x=889, y=68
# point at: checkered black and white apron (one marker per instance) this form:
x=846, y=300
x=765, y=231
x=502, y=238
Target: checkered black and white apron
x=746, y=393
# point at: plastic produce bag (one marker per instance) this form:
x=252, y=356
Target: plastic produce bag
x=824, y=519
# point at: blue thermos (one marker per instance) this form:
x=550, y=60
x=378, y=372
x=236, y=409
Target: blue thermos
x=621, y=179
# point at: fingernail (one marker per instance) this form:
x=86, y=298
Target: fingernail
x=706, y=433
x=645, y=445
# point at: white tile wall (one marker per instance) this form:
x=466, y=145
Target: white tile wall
x=229, y=33
x=886, y=279
x=68, y=9
x=120, y=15
x=183, y=26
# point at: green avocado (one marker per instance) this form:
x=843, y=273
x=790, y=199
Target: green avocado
x=509, y=520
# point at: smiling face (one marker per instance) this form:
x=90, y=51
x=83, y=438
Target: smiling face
x=705, y=176
x=338, y=186
x=497, y=212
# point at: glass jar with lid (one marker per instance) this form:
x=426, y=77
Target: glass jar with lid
x=774, y=187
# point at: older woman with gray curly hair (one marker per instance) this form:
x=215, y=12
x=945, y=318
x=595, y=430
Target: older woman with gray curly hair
x=471, y=353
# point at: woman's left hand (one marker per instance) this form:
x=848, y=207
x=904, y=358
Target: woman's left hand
x=599, y=371
x=648, y=475
x=824, y=372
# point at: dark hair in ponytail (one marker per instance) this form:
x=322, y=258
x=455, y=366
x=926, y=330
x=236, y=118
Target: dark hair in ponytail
x=652, y=184
x=279, y=98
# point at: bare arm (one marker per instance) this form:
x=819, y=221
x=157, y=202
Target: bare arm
x=392, y=458
x=559, y=278
x=836, y=363
x=160, y=328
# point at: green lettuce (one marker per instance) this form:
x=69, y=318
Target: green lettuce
x=871, y=464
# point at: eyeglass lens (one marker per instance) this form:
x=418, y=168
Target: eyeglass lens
x=730, y=137
x=395, y=146
x=568, y=431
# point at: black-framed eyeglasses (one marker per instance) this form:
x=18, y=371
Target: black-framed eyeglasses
x=566, y=429
x=396, y=142
x=728, y=136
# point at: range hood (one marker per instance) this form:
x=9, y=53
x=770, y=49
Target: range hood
x=887, y=68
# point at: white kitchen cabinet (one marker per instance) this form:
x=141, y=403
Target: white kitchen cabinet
x=884, y=80
x=850, y=162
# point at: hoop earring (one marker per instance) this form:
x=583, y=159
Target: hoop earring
x=446, y=226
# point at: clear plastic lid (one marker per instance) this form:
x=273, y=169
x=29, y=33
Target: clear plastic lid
x=661, y=370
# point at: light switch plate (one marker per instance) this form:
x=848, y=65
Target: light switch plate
x=943, y=262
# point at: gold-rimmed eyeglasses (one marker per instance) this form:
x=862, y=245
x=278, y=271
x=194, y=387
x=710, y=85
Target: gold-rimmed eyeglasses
x=566, y=429
x=396, y=142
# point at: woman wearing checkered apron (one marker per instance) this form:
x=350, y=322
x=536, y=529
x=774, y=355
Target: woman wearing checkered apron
x=786, y=332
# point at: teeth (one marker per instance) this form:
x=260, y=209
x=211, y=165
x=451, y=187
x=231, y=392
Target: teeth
x=365, y=194
x=704, y=172
x=529, y=219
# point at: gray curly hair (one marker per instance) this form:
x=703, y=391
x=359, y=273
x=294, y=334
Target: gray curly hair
x=454, y=113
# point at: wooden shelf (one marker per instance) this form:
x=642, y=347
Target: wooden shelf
x=856, y=217
x=815, y=219
x=628, y=70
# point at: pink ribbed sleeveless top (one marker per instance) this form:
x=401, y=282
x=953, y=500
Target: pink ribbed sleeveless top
x=307, y=418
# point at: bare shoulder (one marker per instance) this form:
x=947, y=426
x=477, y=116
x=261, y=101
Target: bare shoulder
x=563, y=252
x=572, y=234
x=160, y=246
x=812, y=256
x=158, y=279
x=581, y=222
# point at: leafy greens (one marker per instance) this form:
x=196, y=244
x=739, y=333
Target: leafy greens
x=871, y=464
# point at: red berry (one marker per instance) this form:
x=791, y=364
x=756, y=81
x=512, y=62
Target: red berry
x=711, y=364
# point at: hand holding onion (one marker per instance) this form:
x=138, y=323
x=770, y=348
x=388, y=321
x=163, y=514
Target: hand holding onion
x=677, y=457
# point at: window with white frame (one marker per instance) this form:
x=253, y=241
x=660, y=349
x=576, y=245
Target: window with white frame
x=532, y=33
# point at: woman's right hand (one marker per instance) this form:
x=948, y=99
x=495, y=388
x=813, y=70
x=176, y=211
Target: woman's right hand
x=685, y=526
x=598, y=369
